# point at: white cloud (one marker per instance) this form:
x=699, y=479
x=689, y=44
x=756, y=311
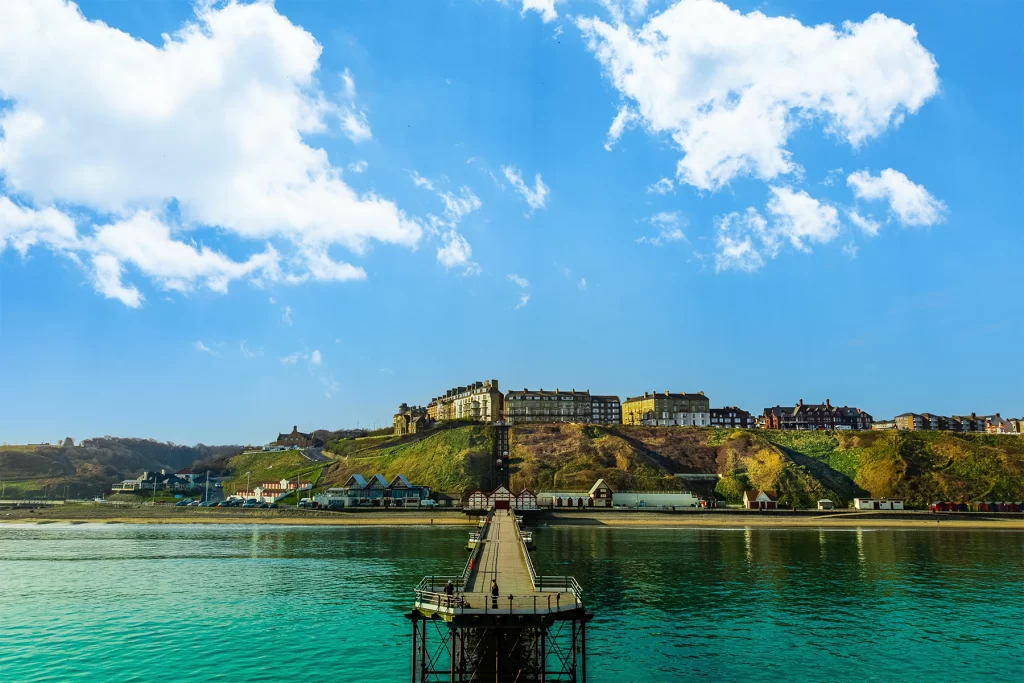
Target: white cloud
x=867, y=224
x=22, y=227
x=583, y=283
x=250, y=353
x=663, y=186
x=348, y=84
x=322, y=267
x=670, y=223
x=517, y=279
x=801, y=219
x=214, y=118
x=908, y=201
x=455, y=250
x=292, y=358
x=457, y=207
x=545, y=8
x=730, y=88
x=273, y=301
x=832, y=177
x=746, y=240
x=355, y=125
x=618, y=8
x=536, y=197
x=315, y=358
x=420, y=181
x=387, y=371
x=203, y=348
x=625, y=118
x=523, y=300
x=286, y=317
x=358, y=166
x=145, y=242
x=106, y=273
x=851, y=249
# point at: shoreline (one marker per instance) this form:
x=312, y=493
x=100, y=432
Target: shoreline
x=633, y=519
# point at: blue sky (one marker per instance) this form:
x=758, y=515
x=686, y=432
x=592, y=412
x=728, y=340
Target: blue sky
x=307, y=213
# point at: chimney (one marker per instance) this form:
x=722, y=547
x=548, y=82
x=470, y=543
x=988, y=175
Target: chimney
x=700, y=393
x=494, y=384
x=827, y=404
x=801, y=403
x=295, y=429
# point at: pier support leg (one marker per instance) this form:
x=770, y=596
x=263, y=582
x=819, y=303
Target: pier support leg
x=543, y=655
x=583, y=648
x=412, y=678
x=451, y=668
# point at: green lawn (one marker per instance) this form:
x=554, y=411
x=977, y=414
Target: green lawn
x=269, y=466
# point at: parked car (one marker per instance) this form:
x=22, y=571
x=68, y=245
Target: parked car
x=249, y=505
x=182, y=503
x=263, y=505
x=272, y=506
x=208, y=504
x=428, y=503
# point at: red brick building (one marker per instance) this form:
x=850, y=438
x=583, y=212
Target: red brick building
x=813, y=416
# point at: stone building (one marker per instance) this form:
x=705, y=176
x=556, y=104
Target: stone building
x=731, y=417
x=667, y=409
x=480, y=401
x=606, y=410
x=297, y=438
x=537, y=407
x=411, y=419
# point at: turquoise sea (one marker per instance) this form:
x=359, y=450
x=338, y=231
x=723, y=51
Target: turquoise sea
x=101, y=602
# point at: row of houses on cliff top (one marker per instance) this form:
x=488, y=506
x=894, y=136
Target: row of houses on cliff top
x=991, y=424
x=483, y=401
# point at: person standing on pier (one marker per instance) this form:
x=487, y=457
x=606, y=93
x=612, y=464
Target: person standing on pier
x=494, y=594
x=449, y=590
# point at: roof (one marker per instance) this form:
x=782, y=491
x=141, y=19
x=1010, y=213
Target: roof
x=358, y=479
x=598, y=484
x=780, y=410
x=751, y=495
x=187, y=470
x=401, y=480
x=668, y=394
x=595, y=397
x=378, y=479
x=540, y=392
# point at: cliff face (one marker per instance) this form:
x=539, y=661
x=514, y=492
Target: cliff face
x=800, y=467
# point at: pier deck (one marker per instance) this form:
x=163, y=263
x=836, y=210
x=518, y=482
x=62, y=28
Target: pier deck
x=501, y=556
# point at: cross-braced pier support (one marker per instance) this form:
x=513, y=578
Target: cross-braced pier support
x=497, y=648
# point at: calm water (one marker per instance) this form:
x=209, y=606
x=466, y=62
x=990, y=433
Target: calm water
x=257, y=603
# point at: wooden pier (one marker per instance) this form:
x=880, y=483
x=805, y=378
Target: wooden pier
x=533, y=630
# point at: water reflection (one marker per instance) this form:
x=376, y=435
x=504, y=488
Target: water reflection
x=119, y=602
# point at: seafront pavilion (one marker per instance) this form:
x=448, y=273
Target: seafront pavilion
x=535, y=630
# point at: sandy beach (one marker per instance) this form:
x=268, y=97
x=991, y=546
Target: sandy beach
x=78, y=514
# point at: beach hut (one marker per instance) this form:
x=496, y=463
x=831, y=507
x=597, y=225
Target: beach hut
x=601, y=494
x=825, y=504
x=759, y=500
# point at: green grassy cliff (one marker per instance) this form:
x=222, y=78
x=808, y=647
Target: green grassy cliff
x=800, y=467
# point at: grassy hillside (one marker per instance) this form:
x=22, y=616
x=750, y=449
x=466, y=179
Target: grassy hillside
x=93, y=465
x=572, y=457
x=269, y=466
x=451, y=459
